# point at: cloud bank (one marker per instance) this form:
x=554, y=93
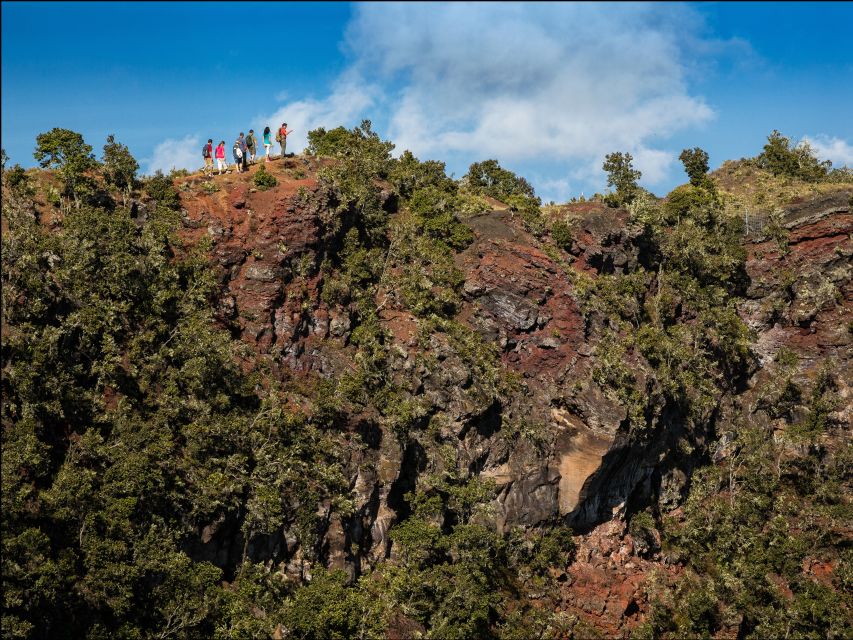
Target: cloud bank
x=839, y=151
x=533, y=85
x=184, y=153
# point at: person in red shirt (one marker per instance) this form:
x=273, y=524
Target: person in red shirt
x=281, y=138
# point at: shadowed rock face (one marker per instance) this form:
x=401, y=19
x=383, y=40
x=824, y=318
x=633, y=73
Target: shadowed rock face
x=602, y=240
x=267, y=246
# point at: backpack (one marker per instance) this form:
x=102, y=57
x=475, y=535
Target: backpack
x=205, y=151
x=238, y=151
x=250, y=140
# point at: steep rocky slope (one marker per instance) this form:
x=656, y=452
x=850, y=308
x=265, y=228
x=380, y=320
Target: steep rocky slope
x=800, y=303
x=516, y=296
x=580, y=466
x=628, y=422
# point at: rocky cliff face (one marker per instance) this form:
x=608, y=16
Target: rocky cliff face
x=800, y=300
x=570, y=459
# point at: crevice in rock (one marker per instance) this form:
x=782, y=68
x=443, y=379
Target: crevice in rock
x=414, y=461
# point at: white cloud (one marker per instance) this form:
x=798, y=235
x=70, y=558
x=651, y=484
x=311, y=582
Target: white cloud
x=553, y=190
x=176, y=154
x=544, y=84
x=839, y=151
x=654, y=164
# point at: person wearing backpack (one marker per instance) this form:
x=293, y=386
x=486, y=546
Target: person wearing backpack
x=267, y=144
x=237, y=151
x=220, y=157
x=245, y=149
x=207, y=154
x=251, y=144
x=281, y=138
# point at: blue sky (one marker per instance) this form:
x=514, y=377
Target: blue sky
x=547, y=89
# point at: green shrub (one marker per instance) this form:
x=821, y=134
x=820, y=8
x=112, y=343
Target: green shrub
x=696, y=238
x=431, y=282
x=822, y=403
x=327, y=608
x=744, y=541
x=561, y=234
x=435, y=213
x=209, y=187
x=450, y=581
x=470, y=204
x=643, y=530
x=554, y=550
x=677, y=311
x=409, y=174
x=129, y=427
x=18, y=180
x=52, y=196
x=489, y=178
x=786, y=357
x=688, y=200
x=360, y=145
x=161, y=189
x=264, y=180
x=782, y=159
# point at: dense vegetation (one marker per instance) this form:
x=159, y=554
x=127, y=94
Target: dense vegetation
x=755, y=523
x=131, y=430
x=780, y=496
x=128, y=426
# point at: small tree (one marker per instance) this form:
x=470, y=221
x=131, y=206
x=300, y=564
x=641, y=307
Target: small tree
x=67, y=152
x=621, y=175
x=361, y=143
x=16, y=177
x=489, y=178
x=120, y=166
x=160, y=189
x=782, y=159
x=695, y=162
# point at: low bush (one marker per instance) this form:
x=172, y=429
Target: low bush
x=264, y=180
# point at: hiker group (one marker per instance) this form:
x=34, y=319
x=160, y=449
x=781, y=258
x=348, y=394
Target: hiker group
x=243, y=151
